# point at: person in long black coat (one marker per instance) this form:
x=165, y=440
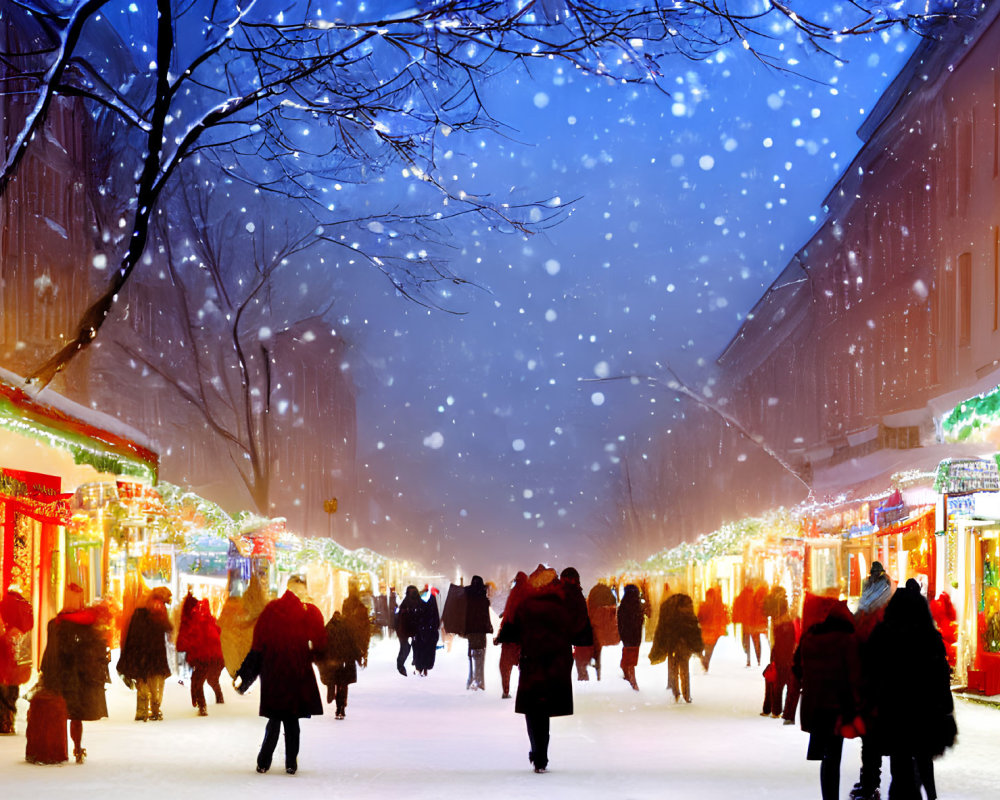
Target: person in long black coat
x=908, y=684
x=428, y=630
x=546, y=624
x=287, y=638
x=407, y=623
x=75, y=664
x=477, y=626
x=339, y=667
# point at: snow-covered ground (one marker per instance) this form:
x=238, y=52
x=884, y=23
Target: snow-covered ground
x=417, y=738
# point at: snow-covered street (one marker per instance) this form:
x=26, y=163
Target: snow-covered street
x=428, y=738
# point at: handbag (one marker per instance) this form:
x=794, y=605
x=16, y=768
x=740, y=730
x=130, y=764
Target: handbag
x=852, y=729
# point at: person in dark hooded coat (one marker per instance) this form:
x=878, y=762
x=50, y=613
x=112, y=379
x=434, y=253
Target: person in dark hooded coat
x=547, y=623
x=339, y=667
x=428, y=631
x=287, y=638
x=908, y=683
x=477, y=626
x=407, y=624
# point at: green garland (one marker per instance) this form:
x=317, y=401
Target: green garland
x=81, y=447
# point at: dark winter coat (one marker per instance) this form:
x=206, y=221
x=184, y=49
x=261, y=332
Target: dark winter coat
x=477, y=614
x=339, y=665
x=288, y=637
x=678, y=633
x=200, y=636
x=547, y=624
x=357, y=616
x=75, y=664
x=408, y=614
x=783, y=643
x=828, y=668
x=144, y=651
x=428, y=630
x=907, y=680
x=631, y=617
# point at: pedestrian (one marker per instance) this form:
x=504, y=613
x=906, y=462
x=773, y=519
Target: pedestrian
x=946, y=619
x=677, y=638
x=713, y=616
x=909, y=681
x=357, y=615
x=477, y=626
x=75, y=665
x=547, y=623
x=428, y=631
x=407, y=623
x=631, y=614
x=601, y=606
x=783, y=643
x=339, y=667
x=510, y=652
x=288, y=637
x=876, y=591
x=200, y=640
x=142, y=662
x=748, y=611
x=16, y=621
x=182, y=627
x=828, y=668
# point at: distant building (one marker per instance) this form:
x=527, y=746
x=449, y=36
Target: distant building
x=890, y=314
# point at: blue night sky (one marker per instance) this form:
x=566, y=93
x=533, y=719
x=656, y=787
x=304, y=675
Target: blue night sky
x=688, y=207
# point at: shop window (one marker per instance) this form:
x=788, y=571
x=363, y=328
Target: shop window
x=904, y=438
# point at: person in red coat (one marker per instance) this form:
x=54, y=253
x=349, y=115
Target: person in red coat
x=288, y=637
x=199, y=639
x=16, y=620
x=547, y=624
x=784, y=638
x=946, y=619
x=748, y=612
x=713, y=616
x=510, y=652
